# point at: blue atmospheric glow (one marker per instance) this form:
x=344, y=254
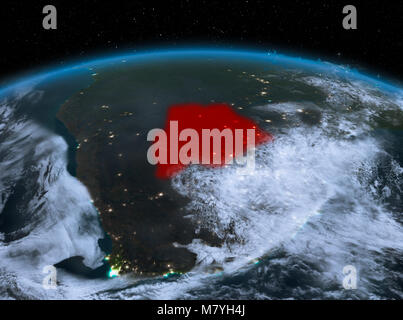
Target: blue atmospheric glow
x=271, y=57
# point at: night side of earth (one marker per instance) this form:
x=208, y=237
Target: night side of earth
x=146, y=220
x=150, y=223
x=79, y=192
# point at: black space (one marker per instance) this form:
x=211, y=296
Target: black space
x=302, y=28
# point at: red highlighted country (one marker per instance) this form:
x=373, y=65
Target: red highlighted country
x=213, y=135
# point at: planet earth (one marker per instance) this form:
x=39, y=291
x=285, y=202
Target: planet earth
x=78, y=193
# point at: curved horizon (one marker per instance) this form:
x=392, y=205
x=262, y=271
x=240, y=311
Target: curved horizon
x=37, y=75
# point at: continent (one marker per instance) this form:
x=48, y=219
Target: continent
x=149, y=223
